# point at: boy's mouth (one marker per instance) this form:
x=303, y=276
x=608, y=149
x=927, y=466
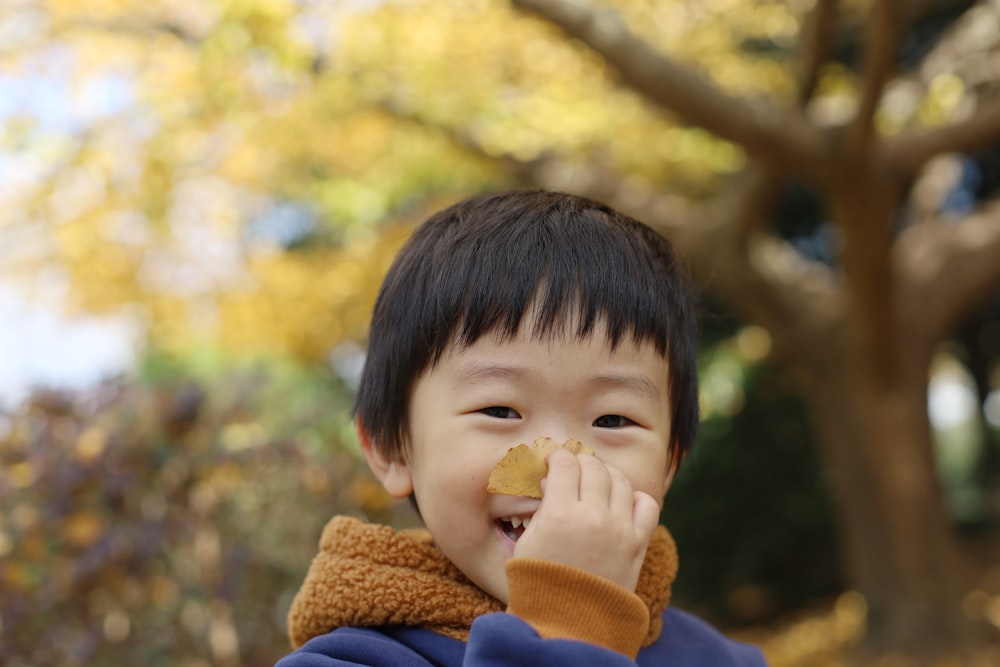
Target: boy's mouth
x=513, y=526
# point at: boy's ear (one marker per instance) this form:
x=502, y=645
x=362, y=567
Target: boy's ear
x=394, y=475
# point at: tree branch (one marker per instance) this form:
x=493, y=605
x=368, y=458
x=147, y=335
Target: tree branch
x=759, y=275
x=663, y=210
x=882, y=36
x=908, y=151
x=783, y=139
x=948, y=267
x=815, y=46
x=755, y=279
x=727, y=245
x=137, y=28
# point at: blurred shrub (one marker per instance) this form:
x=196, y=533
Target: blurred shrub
x=750, y=511
x=169, y=522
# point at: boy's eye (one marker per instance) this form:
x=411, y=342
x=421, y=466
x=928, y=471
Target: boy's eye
x=612, y=421
x=500, y=412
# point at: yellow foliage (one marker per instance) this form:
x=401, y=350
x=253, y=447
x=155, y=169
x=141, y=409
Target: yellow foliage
x=830, y=636
x=945, y=94
x=91, y=444
x=17, y=576
x=6, y=544
x=21, y=475
x=306, y=305
x=82, y=529
x=226, y=99
x=362, y=113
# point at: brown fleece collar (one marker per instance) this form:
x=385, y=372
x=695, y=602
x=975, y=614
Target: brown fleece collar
x=368, y=575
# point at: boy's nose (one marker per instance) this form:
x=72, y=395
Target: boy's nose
x=558, y=431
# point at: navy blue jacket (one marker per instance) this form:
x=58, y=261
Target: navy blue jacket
x=504, y=640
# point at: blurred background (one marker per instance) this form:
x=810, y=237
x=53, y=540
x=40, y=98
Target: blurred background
x=198, y=200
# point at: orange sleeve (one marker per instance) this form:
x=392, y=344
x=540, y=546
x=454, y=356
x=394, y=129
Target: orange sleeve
x=563, y=602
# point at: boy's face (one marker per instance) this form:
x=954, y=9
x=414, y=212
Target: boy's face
x=481, y=400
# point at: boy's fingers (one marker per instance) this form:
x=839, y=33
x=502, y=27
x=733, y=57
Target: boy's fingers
x=595, y=480
x=621, y=501
x=563, y=478
x=645, y=514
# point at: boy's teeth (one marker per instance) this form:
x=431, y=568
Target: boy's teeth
x=517, y=522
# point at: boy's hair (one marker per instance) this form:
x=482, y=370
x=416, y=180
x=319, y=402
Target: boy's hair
x=477, y=267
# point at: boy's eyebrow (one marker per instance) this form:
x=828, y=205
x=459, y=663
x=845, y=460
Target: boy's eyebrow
x=638, y=384
x=474, y=372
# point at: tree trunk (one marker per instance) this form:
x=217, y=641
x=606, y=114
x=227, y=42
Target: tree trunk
x=898, y=544
x=868, y=397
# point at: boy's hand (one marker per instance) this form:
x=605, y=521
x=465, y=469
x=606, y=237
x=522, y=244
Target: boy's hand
x=590, y=518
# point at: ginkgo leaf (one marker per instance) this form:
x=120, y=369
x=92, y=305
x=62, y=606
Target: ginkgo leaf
x=522, y=469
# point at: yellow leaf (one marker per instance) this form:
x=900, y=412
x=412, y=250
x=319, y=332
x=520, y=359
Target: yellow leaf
x=91, y=444
x=22, y=475
x=83, y=528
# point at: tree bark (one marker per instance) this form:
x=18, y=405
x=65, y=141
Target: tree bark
x=775, y=135
x=897, y=542
x=868, y=398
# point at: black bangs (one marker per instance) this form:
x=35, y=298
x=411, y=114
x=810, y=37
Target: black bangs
x=478, y=268
x=571, y=265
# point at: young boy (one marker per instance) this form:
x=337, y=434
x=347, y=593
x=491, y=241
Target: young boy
x=505, y=318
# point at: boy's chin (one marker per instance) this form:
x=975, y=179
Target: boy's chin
x=493, y=584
